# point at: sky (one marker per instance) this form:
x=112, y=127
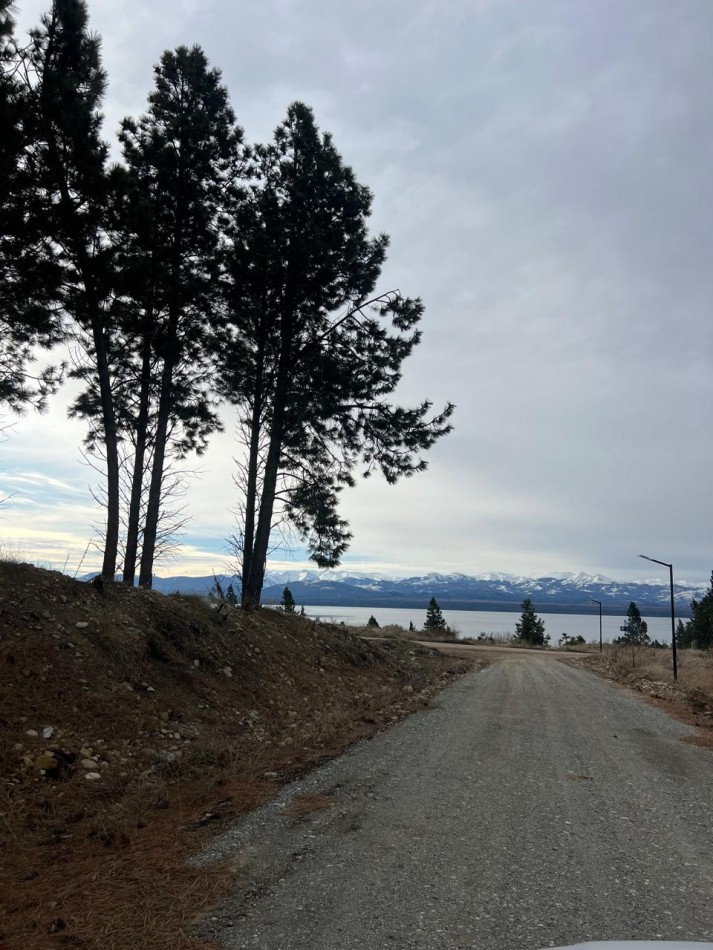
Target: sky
x=545, y=172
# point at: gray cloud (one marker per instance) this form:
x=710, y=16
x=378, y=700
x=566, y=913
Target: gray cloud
x=544, y=171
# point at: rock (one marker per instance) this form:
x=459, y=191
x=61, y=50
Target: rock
x=269, y=774
x=32, y=732
x=81, y=625
x=227, y=670
x=86, y=752
x=63, y=598
x=92, y=776
x=196, y=662
x=47, y=732
x=45, y=761
x=88, y=764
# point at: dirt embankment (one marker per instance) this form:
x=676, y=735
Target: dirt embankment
x=132, y=725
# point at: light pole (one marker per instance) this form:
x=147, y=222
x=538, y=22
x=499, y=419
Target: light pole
x=673, y=620
x=601, y=647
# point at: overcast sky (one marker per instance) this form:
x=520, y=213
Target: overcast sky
x=545, y=171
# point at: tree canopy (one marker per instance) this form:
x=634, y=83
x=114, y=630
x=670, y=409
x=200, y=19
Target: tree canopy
x=193, y=272
x=316, y=355
x=698, y=632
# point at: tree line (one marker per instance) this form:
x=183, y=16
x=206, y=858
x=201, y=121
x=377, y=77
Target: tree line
x=697, y=633
x=193, y=272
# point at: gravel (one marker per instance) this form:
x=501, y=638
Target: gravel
x=536, y=806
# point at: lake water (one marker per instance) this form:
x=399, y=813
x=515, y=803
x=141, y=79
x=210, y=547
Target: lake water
x=471, y=623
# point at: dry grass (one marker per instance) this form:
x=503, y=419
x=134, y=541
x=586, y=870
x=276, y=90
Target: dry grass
x=650, y=671
x=183, y=709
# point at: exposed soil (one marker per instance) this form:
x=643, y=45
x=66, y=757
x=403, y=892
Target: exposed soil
x=133, y=726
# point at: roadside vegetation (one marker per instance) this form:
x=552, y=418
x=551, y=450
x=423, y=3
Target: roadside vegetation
x=649, y=670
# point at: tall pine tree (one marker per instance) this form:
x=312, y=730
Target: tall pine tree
x=68, y=208
x=316, y=356
x=182, y=170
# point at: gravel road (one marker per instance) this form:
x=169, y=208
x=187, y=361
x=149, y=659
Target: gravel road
x=536, y=806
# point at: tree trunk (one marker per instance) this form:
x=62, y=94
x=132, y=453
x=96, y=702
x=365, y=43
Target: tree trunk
x=254, y=579
x=251, y=488
x=137, y=482
x=153, y=508
x=251, y=497
x=111, y=441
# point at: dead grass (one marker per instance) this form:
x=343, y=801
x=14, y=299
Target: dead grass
x=650, y=671
x=182, y=710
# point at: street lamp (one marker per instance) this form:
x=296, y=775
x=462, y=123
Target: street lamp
x=594, y=601
x=673, y=621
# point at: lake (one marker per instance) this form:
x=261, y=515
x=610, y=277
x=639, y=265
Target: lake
x=471, y=623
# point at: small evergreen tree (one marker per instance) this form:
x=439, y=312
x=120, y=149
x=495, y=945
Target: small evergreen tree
x=530, y=627
x=699, y=629
x=683, y=640
x=230, y=596
x=288, y=601
x=372, y=621
x=637, y=634
x=434, y=617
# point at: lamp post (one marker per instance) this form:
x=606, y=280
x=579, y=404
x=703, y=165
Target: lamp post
x=673, y=620
x=601, y=646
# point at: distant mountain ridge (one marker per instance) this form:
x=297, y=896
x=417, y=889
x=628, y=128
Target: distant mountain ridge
x=558, y=593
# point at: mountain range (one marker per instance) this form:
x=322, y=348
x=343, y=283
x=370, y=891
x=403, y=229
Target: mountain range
x=558, y=593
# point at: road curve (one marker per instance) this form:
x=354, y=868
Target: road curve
x=536, y=806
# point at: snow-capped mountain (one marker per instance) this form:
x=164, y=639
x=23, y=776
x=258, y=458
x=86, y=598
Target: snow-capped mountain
x=554, y=593
x=567, y=592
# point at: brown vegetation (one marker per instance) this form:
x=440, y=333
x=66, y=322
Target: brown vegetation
x=132, y=725
x=650, y=671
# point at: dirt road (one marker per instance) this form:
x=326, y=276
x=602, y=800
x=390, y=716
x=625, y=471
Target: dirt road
x=536, y=806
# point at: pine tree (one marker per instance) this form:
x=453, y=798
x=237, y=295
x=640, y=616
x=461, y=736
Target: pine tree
x=288, y=601
x=637, y=633
x=530, y=627
x=372, y=622
x=434, y=618
x=68, y=212
x=683, y=640
x=315, y=360
x=182, y=163
x=230, y=596
x=699, y=629
x=27, y=284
